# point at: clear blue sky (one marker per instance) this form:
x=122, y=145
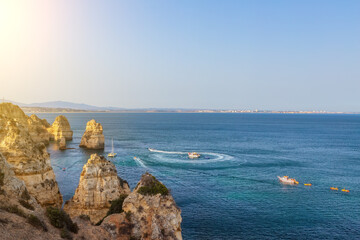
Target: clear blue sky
x=281, y=55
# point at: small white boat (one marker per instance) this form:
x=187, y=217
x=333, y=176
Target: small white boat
x=287, y=180
x=151, y=149
x=112, y=154
x=193, y=155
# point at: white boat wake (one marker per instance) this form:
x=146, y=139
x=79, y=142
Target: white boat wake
x=167, y=152
x=207, y=157
x=140, y=162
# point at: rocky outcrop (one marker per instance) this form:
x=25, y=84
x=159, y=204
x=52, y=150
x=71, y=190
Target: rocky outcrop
x=18, y=208
x=99, y=185
x=152, y=211
x=12, y=188
x=60, y=128
x=62, y=143
x=93, y=137
x=38, y=129
x=27, y=155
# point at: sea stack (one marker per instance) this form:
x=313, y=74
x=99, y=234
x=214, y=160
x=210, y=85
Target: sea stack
x=62, y=143
x=153, y=211
x=28, y=155
x=99, y=185
x=60, y=128
x=93, y=137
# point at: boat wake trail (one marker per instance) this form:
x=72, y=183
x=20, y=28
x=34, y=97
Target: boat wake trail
x=140, y=162
x=206, y=157
x=167, y=152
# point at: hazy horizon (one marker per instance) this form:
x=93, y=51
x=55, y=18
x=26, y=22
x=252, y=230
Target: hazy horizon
x=268, y=55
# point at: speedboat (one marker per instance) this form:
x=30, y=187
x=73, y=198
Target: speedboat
x=307, y=184
x=287, y=180
x=193, y=155
x=151, y=149
x=345, y=190
x=334, y=188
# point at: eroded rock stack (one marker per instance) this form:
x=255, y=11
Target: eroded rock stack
x=27, y=155
x=38, y=129
x=93, y=137
x=99, y=185
x=60, y=128
x=153, y=211
x=149, y=212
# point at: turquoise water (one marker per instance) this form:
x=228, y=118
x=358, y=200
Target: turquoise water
x=232, y=192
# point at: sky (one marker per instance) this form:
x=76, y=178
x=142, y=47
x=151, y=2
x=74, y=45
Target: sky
x=243, y=54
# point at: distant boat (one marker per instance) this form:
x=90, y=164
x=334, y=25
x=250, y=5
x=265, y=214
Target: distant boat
x=64, y=169
x=334, y=188
x=151, y=149
x=112, y=154
x=193, y=155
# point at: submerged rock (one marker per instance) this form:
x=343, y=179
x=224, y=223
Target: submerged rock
x=93, y=137
x=99, y=185
x=60, y=128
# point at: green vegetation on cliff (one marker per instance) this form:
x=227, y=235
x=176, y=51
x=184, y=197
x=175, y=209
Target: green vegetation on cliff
x=152, y=186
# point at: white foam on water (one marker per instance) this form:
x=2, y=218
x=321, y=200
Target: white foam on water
x=167, y=152
x=217, y=158
x=140, y=162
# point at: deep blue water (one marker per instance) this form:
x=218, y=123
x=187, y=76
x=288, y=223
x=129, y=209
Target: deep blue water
x=232, y=191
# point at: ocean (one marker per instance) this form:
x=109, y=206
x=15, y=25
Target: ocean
x=232, y=190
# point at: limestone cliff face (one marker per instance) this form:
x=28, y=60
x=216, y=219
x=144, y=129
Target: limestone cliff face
x=27, y=155
x=99, y=185
x=93, y=137
x=38, y=129
x=60, y=128
x=154, y=216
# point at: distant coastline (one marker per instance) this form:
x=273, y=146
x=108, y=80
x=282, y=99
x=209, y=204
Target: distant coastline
x=70, y=110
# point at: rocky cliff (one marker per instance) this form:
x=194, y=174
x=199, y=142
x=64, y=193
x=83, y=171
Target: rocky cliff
x=38, y=129
x=99, y=185
x=152, y=211
x=27, y=155
x=60, y=128
x=93, y=137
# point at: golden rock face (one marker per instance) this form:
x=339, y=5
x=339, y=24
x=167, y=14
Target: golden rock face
x=99, y=185
x=60, y=128
x=24, y=149
x=154, y=216
x=93, y=137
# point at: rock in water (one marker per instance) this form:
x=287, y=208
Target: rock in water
x=27, y=155
x=93, y=137
x=60, y=128
x=99, y=185
x=62, y=143
x=152, y=211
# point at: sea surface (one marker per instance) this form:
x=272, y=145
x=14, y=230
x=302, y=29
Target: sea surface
x=232, y=191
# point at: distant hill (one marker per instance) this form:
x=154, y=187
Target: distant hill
x=66, y=105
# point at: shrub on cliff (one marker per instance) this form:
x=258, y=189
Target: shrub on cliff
x=14, y=209
x=59, y=219
x=36, y=222
x=2, y=176
x=152, y=186
x=27, y=205
x=116, y=205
